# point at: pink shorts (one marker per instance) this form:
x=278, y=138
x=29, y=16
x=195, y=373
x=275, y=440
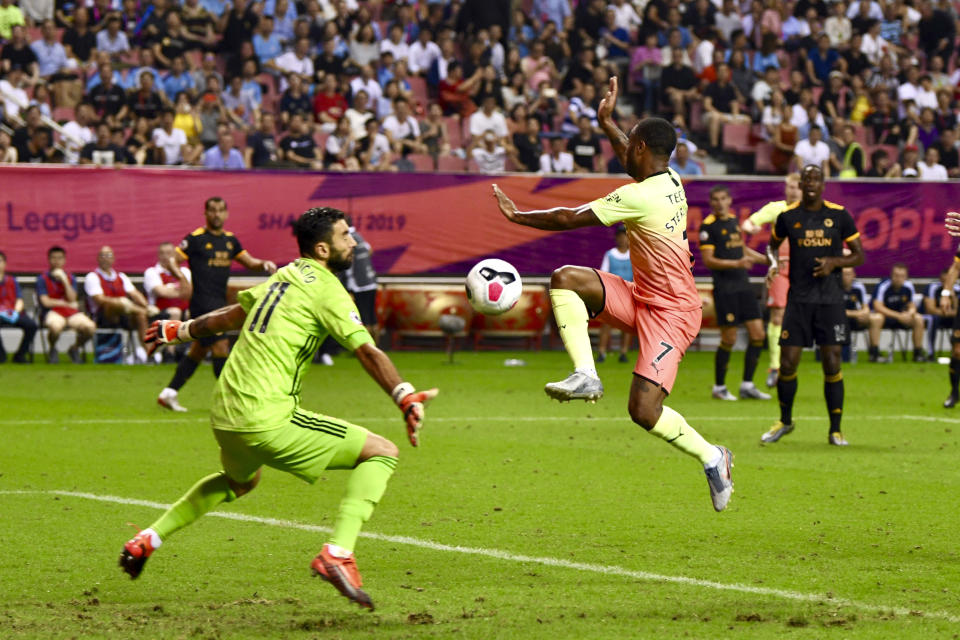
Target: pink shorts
x=777, y=292
x=663, y=334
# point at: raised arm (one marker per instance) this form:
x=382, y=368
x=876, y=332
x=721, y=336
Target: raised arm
x=556, y=219
x=618, y=139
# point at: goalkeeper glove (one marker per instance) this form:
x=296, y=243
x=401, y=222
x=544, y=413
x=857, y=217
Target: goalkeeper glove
x=412, y=402
x=163, y=332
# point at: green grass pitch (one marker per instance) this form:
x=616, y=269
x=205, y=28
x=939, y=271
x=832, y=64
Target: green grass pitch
x=518, y=517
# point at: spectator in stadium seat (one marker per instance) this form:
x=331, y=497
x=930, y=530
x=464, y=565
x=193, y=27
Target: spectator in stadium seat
x=721, y=104
x=102, y=152
x=556, y=160
x=424, y=52
x=395, y=43
x=937, y=31
x=208, y=69
x=813, y=150
x=384, y=107
x=266, y=44
x=145, y=102
x=223, y=155
x=8, y=153
x=240, y=106
x=10, y=17
x=39, y=148
x=646, y=65
x=170, y=141
x=884, y=121
x=851, y=158
x=728, y=19
x=112, y=40
x=678, y=84
x=838, y=26
x=13, y=95
x=949, y=156
x=114, y=301
x=363, y=46
x=199, y=23
x=893, y=300
x=284, y=15
x=358, y=114
x=299, y=148
x=79, y=40
x=823, y=59
x=528, y=146
x=373, y=149
x=178, y=80
x=763, y=89
x=187, y=119
x=909, y=167
x=294, y=100
x=930, y=168
x=880, y=166
x=52, y=61
x=585, y=147
x=433, y=131
x=551, y=10
x=173, y=42
x=261, y=150
x=328, y=61
x=296, y=62
x=489, y=156
x=682, y=164
x=785, y=137
x=488, y=118
x=147, y=64
x=329, y=105
x=77, y=133
x=402, y=129
x=339, y=151
x=367, y=82
x=59, y=307
x=17, y=52
x=12, y=314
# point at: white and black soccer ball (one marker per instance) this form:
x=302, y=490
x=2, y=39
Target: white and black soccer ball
x=493, y=286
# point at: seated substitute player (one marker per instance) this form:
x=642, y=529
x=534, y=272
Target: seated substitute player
x=661, y=305
x=617, y=262
x=60, y=309
x=777, y=289
x=114, y=301
x=940, y=316
x=723, y=252
x=856, y=301
x=893, y=300
x=11, y=313
x=816, y=230
x=168, y=287
x=210, y=251
x=256, y=419
x=948, y=306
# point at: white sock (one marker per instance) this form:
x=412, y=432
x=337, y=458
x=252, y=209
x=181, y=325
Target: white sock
x=746, y=384
x=592, y=372
x=168, y=391
x=716, y=460
x=155, y=540
x=338, y=552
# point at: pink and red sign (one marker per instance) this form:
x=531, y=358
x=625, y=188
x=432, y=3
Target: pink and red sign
x=417, y=223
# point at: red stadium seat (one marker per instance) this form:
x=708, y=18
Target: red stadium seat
x=422, y=161
x=761, y=157
x=62, y=114
x=240, y=139
x=736, y=137
x=421, y=96
x=454, y=132
x=450, y=163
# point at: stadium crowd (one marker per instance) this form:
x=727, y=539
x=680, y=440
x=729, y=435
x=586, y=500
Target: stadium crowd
x=862, y=89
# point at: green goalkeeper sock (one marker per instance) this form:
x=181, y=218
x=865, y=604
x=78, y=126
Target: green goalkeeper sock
x=203, y=496
x=674, y=429
x=773, y=343
x=364, y=490
x=572, y=317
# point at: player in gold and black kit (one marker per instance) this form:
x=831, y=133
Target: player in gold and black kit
x=723, y=252
x=947, y=306
x=817, y=231
x=210, y=251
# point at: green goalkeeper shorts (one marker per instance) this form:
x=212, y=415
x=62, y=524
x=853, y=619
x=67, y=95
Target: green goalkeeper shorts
x=305, y=446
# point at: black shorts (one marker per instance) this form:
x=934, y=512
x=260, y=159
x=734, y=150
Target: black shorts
x=893, y=323
x=804, y=323
x=736, y=307
x=955, y=335
x=367, y=306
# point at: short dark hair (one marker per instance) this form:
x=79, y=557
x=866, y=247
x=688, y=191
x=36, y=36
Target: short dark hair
x=900, y=265
x=878, y=155
x=209, y=201
x=56, y=249
x=315, y=225
x=658, y=134
x=717, y=188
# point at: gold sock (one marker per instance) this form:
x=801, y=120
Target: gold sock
x=572, y=317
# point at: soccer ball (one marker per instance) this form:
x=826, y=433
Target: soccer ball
x=493, y=286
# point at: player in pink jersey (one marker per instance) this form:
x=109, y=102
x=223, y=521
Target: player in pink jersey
x=661, y=306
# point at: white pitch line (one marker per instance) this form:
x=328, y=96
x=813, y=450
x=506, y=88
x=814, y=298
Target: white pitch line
x=623, y=418
x=515, y=557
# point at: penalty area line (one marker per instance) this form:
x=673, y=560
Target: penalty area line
x=499, y=554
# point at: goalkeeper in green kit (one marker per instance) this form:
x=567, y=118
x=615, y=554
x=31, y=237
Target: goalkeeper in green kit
x=256, y=417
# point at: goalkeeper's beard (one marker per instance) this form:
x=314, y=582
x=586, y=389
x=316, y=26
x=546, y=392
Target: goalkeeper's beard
x=340, y=262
